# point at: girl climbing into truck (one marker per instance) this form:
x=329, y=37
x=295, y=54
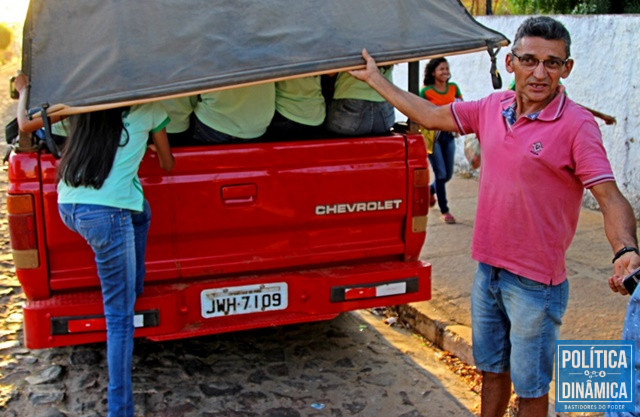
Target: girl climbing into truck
x=101, y=199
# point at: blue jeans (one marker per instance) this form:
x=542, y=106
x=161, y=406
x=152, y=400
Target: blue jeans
x=441, y=160
x=118, y=239
x=631, y=332
x=515, y=323
x=359, y=117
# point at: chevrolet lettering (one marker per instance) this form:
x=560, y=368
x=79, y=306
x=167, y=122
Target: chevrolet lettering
x=343, y=208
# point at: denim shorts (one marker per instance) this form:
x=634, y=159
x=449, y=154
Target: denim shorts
x=354, y=117
x=515, y=323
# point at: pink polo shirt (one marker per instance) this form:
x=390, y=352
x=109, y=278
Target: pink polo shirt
x=532, y=182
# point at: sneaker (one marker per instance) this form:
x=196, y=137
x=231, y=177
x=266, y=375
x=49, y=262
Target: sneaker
x=432, y=200
x=448, y=218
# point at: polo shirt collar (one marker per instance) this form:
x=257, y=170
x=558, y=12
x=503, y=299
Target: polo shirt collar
x=551, y=112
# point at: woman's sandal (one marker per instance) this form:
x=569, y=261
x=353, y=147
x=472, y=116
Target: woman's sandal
x=448, y=218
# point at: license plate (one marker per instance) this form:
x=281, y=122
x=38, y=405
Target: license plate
x=220, y=302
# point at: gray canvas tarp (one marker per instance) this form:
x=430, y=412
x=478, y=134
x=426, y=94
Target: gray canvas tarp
x=84, y=53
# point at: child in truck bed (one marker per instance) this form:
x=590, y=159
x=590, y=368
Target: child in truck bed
x=357, y=109
x=234, y=115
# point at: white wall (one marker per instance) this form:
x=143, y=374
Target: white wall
x=605, y=77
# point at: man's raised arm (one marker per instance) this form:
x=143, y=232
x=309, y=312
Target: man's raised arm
x=417, y=109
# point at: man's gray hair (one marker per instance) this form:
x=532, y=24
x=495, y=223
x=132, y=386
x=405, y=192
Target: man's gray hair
x=543, y=27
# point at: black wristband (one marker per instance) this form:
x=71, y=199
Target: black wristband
x=623, y=251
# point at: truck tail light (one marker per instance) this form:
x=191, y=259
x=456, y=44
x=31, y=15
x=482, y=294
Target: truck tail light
x=420, y=199
x=88, y=324
x=22, y=231
x=374, y=290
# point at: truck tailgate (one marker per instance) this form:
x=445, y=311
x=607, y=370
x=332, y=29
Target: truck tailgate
x=228, y=209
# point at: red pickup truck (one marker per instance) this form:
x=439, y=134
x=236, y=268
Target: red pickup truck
x=244, y=235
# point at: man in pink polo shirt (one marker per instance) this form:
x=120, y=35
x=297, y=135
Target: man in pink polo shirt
x=540, y=151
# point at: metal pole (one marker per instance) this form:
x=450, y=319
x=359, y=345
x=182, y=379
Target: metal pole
x=414, y=77
x=414, y=87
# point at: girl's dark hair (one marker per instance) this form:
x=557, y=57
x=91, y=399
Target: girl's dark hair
x=91, y=148
x=428, y=71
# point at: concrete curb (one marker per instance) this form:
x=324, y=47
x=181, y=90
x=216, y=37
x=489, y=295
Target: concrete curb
x=451, y=337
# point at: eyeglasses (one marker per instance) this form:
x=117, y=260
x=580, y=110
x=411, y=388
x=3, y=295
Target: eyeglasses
x=530, y=62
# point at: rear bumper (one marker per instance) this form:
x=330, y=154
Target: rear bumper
x=173, y=311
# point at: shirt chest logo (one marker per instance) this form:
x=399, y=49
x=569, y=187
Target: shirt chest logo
x=536, y=148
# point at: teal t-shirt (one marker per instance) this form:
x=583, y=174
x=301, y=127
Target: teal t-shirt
x=179, y=111
x=122, y=188
x=301, y=100
x=243, y=112
x=348, y=87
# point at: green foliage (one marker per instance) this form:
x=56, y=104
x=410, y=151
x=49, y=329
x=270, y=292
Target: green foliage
x=479, y=7
x=505, y=7
x=573, y=6
x=632, y=6
x=584, y=8
x=543, y=6
x=592, y=7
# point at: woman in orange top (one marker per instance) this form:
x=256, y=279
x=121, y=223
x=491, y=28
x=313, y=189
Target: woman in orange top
x=438, y=90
